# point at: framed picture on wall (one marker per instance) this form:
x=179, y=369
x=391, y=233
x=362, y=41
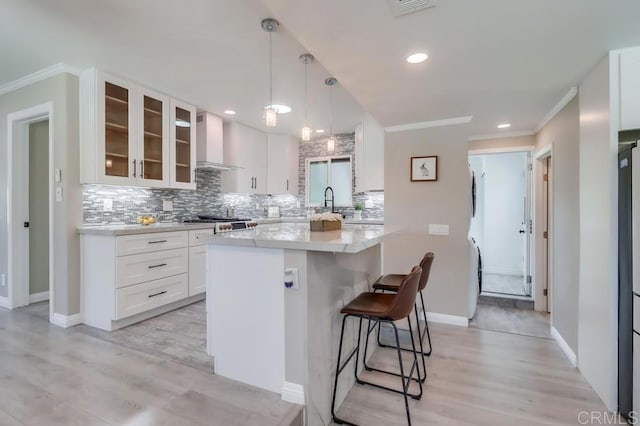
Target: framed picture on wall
x=424, y=169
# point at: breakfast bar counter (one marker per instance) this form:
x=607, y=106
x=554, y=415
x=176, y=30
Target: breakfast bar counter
x=274, y=296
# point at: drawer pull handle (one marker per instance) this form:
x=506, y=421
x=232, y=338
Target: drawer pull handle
x=158, y=294
x=157, y=266
x=157, y=242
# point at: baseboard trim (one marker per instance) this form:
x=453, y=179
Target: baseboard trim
x=4, y=302
x=39, y=297
x=293, y=392
x=65, y=321
x=564, y=346
x=448, y=319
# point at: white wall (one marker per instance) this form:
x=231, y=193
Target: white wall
x=411, y=206
x=62, y=90
x=504, y=191
x=597, y=334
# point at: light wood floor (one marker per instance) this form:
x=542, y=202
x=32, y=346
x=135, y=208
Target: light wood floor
x=52, y=376
x=511, y=320
x=480, y=377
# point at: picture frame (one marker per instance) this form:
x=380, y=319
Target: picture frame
x=424, y=169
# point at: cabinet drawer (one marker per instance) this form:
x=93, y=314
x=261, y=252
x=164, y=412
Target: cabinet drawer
x=147, y=243
x=195, y=236
x=143, y=297
x=139, y=268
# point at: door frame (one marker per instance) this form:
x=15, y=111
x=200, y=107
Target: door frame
x=542, y=303
x=531, y=204
x=18, y=266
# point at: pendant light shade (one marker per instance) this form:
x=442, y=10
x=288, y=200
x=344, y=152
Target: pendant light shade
x=306, y=59
x=270, y=117
x=331, y=142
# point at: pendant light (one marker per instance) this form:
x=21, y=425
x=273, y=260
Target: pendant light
x=270, y=25
x=306, y=59
x=331, y=142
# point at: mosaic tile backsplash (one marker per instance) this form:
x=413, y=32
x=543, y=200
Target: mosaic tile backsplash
x=208, y=198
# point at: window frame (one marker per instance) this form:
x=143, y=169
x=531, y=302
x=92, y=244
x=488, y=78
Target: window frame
x=329, y=160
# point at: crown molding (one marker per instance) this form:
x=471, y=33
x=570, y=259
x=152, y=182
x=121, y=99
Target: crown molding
x=428, y=124
x=37, y=76
x=557, y=108
x=502, y=135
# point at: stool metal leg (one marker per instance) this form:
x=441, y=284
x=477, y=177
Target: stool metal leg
x=426, y=324
x=339, y=369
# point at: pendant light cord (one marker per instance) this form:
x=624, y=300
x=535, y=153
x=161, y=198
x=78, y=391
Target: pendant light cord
x=305, y=94
x=270, y=72
x=331, y=110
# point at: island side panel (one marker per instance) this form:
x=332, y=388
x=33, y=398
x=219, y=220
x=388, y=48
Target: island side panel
x=333, y=280
x=296, y=319
x=246, y=316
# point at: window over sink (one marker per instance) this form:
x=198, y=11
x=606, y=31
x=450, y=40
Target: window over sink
x=335, y=172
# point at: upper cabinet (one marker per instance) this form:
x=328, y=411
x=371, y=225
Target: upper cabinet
x=183, y=145
x=246, y=148
x=282, y=164
x=369, y=155
x=128, y=135
x=630, y=89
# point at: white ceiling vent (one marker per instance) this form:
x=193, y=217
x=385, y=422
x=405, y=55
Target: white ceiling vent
x=404, y=7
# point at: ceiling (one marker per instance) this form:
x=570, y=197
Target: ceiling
x=496, y=60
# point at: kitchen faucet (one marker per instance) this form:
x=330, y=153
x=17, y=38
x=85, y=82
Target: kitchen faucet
x=333, y=209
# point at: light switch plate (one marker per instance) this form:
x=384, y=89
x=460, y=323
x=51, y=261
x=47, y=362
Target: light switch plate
x=167, y=205
x=435, y=229
x=58, y=194
x=58, y=175
x=4, y=280
x=107, y=205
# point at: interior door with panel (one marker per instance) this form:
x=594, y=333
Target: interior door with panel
x=155, y=136
x=183, y=145
x=116, y=151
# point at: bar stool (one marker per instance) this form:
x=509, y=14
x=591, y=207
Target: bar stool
x=382, y=308
x=391, y=283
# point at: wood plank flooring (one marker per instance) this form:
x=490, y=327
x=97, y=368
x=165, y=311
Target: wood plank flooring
x=52, y=376
x=511, y=320
x=480, y=377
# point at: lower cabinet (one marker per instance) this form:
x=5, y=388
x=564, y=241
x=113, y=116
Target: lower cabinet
x=144, y=272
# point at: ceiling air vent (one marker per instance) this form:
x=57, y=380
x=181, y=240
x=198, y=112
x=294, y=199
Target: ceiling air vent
x=404, y=7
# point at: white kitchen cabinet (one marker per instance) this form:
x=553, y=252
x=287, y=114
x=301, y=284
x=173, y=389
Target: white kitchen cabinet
x=282, y=164
x=246, y=148
x=630, y=89
x=128, y=137
x=369, y=153
x=183, y=145
x=129, y=278
x=198, y=261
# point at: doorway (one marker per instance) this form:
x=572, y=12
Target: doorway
x=30, y=208
x=501, y=225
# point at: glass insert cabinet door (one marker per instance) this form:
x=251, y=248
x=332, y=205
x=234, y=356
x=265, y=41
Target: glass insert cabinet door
x=116, y=122
x=152, y=164
x=183, y=122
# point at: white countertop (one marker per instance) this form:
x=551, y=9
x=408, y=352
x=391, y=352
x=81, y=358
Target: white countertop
x=141, y=229
x=301, y=219
x=297, y=236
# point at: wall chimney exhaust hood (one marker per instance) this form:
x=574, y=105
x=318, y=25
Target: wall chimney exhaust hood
x=209, y=154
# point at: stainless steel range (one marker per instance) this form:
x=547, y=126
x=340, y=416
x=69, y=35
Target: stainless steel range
x=225, y=224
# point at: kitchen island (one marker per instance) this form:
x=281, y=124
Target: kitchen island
x=274, y=296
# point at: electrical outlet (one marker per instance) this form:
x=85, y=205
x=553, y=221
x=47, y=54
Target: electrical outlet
x=291, y=278
x=435, y=229
x=58, y=195
x=4, y=280
x=167, y=205
x=258, y=206
x=298, y=204
x=368, y=204
x=107, y=205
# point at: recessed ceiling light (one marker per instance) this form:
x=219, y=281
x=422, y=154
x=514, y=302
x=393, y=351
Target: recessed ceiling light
x=504, y=126
x=229, y=112
x=417, y=58
x=319, y=130
x=182, y=123
x=280, y=109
